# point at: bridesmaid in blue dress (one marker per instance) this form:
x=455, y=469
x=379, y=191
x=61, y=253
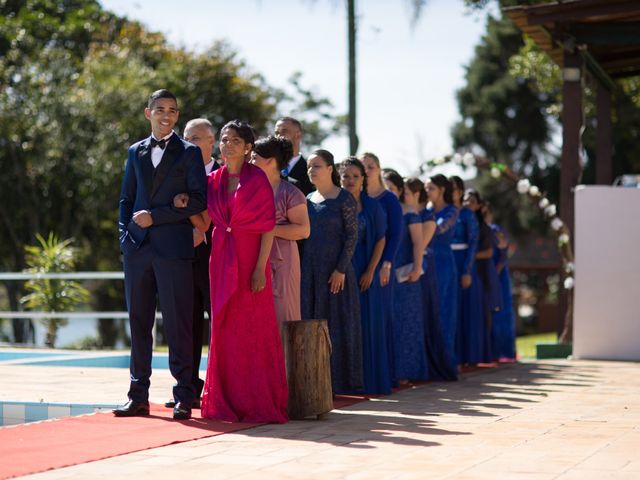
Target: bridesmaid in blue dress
x=503, y=333
x=408, y=327
x=470, y=336
x=489, y=281
x=439, y=194
x=372, y=226
x=391, y=206
x=439, y=366
x=329, y=287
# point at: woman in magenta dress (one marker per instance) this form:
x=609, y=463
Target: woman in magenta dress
x=271, y=154
x=246, y=379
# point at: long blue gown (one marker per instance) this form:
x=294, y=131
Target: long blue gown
x=334, y=234
x=439, y=365
x=447, y=274
x=372, y=225
x=470, y=328
x=410, y=357
x=503, y=331
x=491, y=293
x=393, y=211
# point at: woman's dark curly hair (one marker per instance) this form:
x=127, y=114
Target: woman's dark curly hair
x=276, y=147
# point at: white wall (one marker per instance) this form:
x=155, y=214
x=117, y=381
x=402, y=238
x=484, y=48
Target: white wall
x=607, y=273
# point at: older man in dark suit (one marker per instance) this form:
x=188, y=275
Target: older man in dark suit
x=296, y=171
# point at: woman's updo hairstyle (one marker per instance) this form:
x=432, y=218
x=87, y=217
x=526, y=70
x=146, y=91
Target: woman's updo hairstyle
x=243, y=129
x=327, y=158
x=414, y=185
x=443, y=182
x=354, y=162
x=276, y=147
x=394, y=177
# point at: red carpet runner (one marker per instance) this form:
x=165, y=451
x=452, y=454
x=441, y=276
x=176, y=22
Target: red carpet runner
x=37, y=447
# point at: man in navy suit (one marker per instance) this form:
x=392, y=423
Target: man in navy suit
x=156, y=240
x=201, y=133
x=296, y=171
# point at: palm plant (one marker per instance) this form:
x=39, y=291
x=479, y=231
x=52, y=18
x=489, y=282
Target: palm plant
x=52, y=295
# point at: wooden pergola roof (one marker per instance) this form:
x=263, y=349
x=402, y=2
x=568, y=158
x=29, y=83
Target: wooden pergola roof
x=606, y=32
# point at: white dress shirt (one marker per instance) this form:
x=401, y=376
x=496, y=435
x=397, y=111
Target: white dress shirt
x=157, y=152
x=208, y=167
x=292, y=162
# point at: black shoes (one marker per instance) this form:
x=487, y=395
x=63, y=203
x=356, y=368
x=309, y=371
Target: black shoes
x=181, y=412
x=132, y=409
x=172, y=403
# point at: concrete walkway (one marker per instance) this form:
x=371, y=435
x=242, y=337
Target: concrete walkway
x=546, y=420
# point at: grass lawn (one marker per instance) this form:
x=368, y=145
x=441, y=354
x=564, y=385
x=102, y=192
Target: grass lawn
x=526, y=345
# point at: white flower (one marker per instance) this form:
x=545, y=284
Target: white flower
x=456, y=158
x=569, y=267
x=469, y=159
x=550, y=210
x=534, y=191
x=544, y=202
x=563, y=238
x=568, y=283
x=556, y=223
x=495, y=172
x=523, y=186
x=438, y=160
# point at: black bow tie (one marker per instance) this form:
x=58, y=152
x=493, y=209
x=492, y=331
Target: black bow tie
x=158, y=143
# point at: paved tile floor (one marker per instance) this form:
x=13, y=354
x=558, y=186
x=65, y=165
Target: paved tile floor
x=550, y=419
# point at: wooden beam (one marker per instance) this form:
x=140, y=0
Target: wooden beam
x=620, y=33
x=574, y=11
x=571, y=127
x=604, y=158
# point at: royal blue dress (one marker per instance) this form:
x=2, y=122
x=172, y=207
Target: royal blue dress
x=410, y=357
x=503, y=331
x=491, y=292
x=330, y=246
x=372, y=225
x=439, y=364
x=393, y=211
x=470, y=327
x=447, y=274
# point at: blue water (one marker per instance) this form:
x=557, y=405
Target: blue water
x=81, y=359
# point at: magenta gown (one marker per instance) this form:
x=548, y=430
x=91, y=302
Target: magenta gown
x=246, y=379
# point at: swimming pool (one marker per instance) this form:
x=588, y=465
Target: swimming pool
x=75, y=358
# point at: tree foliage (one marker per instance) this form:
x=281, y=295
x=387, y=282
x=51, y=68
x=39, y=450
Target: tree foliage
x=74, y=81
x=52, y=255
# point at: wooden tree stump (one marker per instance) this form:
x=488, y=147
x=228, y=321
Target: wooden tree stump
x=307, y=350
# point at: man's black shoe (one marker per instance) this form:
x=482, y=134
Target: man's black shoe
x=172, y=403
x=132, y=409
x=181, y=412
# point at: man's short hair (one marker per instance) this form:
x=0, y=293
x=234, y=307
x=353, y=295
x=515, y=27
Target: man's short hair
x=199, y=122
x=291, y=120
x=158, y=94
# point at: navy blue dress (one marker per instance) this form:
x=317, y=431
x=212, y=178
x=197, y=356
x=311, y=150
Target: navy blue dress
x=491, y=293
x=447, y=274
x=372, y=225
x=439, y=365
x=334, y=234
x=470, y=328
x=408, y=326
x=393, y=211
x=503, y=328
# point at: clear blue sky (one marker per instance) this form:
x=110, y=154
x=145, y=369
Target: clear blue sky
x=406, y=79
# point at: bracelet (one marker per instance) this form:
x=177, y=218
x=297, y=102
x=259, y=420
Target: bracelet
x=386, y=265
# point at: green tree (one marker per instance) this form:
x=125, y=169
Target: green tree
x=52, y=295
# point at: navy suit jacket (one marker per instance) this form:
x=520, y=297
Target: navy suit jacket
x=145, y=188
